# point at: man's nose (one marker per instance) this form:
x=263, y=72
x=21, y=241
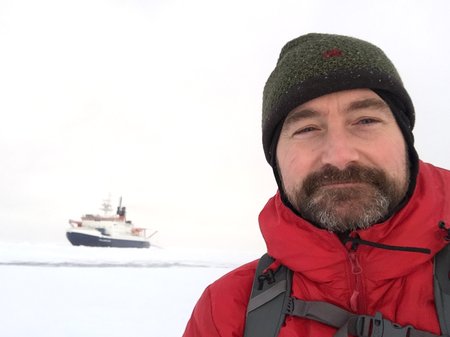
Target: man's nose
x=339, y=149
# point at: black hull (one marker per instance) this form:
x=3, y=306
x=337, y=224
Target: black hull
x=80, y=239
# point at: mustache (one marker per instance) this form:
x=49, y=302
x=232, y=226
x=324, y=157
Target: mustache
x=355, y=173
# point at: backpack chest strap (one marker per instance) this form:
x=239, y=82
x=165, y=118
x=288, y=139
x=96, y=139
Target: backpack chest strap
x=323, y=312
x=348, y=323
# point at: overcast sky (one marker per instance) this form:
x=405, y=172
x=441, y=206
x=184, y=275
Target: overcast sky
x=160, y=102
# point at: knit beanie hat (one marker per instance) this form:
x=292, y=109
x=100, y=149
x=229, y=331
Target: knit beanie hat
x=314, y=65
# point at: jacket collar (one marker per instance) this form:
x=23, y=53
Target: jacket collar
x=305, y=248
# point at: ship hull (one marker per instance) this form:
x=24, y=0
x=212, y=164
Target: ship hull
x=91, y=240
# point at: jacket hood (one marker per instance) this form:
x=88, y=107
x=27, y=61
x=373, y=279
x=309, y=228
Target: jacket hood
x=317, y=253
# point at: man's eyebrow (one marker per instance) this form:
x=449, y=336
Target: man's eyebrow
x=368, y=103
x=296, y=115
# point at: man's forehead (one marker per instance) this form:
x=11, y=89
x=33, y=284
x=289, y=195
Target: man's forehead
x=346, y=96
x=351, y=100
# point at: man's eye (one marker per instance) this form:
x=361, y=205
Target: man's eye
x=305, y=130
x=365, y=121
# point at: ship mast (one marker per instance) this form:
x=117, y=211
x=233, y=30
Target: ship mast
x=106, y=206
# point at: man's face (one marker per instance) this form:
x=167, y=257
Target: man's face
x=342, y=160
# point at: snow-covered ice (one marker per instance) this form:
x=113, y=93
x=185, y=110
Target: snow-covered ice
x=60, y=290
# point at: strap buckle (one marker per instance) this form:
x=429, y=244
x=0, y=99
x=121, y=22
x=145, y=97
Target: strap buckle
x=376, y=326
x=290, y=306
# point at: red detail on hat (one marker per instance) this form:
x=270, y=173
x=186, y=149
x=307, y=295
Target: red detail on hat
x=335, y=52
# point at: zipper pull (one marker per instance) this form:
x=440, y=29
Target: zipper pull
x=356, y=267
x=354, y=301
x=356, y=271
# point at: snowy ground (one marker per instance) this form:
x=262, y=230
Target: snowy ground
x=61, y=290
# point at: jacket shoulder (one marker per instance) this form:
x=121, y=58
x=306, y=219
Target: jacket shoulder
x=437, y=172
x=221, y=309
x=436, y=181
x=237, y=280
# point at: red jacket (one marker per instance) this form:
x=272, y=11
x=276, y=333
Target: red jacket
x=398, y=284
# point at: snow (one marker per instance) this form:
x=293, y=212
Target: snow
x=60, y=290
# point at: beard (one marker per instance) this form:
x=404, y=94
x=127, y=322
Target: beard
x=366, y=196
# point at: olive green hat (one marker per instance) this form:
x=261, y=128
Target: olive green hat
x=314, y=65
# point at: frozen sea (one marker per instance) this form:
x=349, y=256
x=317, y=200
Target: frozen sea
x=60, y=290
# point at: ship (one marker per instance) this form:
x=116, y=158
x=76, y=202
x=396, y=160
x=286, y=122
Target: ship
x=108, y=230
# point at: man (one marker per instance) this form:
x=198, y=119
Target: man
x=357, y=214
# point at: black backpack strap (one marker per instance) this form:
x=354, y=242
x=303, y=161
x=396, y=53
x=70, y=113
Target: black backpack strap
x=442, y=288
x=269, y=300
